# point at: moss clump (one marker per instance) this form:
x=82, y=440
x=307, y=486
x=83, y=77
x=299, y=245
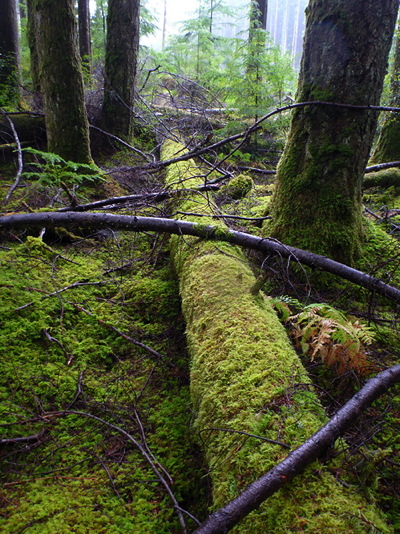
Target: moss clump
x=238, y=187
x=245, y=376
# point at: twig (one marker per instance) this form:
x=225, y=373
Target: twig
x=251, y=498
x=223, y=216
x=58, y=342
x=275, y=442
x=123, y=143
x=151, y=351
x=72, y=286
x=79, y=390
x=22, y=439
x=20, y=162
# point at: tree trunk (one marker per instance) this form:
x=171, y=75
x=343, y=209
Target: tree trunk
x=388, y=145
x=85, y=45
x=31, y=33
x=256, y=48
x=317, y=203
x=9, y=53
x=122, y=47
x=61, y=79
x=246, y=377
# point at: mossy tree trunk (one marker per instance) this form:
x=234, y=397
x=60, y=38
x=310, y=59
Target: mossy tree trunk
x=246, y=377
x=122, y=45
x=61, y=79
x=9, y=53
x=317, y=204
x=85, y=45
x=388, y=145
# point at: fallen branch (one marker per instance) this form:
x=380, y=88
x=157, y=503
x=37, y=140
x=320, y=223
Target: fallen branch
x=257, y=126
x=256, y=493
x=173, y=226
x=20, y=162
x=22, y=439
x=381, y=166
x=146, y=197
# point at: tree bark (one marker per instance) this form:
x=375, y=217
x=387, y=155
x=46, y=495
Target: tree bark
x=85, y=44
x=388, y=144
x=122, y=47
x=31, y=34
x=9, y=53
x=61, y=79
x=317, y=204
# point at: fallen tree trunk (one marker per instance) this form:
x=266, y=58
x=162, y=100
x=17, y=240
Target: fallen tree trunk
x=199, y=229
x=245, y=378
x=251, y=498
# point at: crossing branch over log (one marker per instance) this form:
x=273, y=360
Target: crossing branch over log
x=229, y=515
x=179, y=227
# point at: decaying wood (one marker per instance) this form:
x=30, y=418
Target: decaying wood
x=251, y=498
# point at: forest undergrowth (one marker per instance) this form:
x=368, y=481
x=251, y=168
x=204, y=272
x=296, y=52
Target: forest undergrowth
x=95, y=410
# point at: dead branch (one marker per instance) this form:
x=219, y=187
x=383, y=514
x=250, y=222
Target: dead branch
x=123, y=143
x=22, y=439
x=257, y=126
x=381, y=166
x=179, y=227
x=151, y=351
x=256, y=493
x=19, y=152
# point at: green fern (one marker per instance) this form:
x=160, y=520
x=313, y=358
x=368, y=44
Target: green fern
x=52, y=170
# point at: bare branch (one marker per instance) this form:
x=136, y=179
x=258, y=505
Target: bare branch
x=250, y=499
x=20, y=163
x=179, y=227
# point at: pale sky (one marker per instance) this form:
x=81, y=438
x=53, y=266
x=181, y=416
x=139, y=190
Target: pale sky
x=177, y=11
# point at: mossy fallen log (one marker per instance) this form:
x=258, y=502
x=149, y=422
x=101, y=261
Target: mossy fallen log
x=382, y=178
x=245, y=376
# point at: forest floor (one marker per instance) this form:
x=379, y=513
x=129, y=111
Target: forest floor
x=95, y=408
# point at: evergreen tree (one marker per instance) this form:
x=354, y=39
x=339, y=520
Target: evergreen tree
x=388, y=145
x=317, y=203
x=9, y=53
x=61, y=79
x=122, y=46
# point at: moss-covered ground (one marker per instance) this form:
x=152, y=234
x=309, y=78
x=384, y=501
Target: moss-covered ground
x=77, y=390
x=68, y=311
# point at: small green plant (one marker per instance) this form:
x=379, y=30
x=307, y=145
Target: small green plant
x=53, y=170
x=321, y=331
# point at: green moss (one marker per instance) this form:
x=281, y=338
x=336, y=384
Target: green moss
x=62, y=482
x=238, y=187
x=383, y=178
x=245, y=376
